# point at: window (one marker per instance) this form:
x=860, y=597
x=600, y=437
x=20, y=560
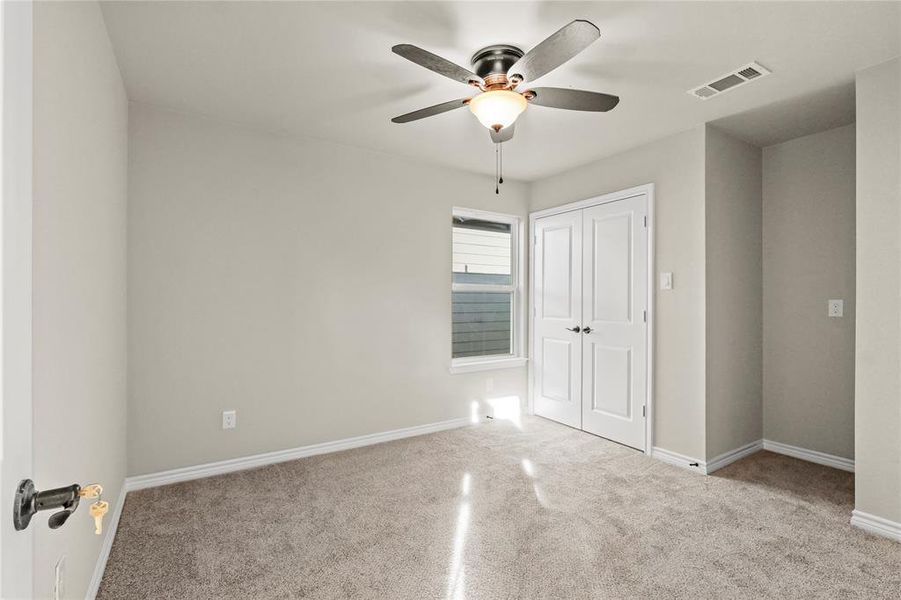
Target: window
x=485, y=294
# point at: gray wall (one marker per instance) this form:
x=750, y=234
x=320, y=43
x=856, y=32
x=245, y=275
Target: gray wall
x=808, y=257
x=675, y=165
x=877, y=410
x=261, y=279
x=79, y=364
x=734, y=293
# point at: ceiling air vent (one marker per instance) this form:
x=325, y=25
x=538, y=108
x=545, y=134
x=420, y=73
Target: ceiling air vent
x=730, y=81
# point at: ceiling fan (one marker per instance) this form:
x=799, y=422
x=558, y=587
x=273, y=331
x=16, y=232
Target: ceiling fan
x=498, y=70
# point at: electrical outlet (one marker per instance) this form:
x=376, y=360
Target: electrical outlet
x=836, y=308
x=59, y=579
x=229, y=419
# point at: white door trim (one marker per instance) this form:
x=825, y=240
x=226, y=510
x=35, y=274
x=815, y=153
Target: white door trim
x=648, y=190
x=16, y=547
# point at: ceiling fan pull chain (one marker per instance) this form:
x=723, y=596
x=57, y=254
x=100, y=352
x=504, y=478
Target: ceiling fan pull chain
x=501, y=169
x=496, y=169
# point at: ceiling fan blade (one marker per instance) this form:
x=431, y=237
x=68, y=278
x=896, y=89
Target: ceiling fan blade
x=504, y=135
x=430, y=111
x=573, y=99
x=435, y=63
x=555, y=50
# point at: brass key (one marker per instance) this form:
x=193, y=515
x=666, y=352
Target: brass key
x=91, y=491
x=98, y=509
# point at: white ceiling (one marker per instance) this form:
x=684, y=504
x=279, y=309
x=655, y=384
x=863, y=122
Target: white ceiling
x=325, y=70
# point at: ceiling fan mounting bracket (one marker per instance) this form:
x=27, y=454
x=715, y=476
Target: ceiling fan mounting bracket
x=495, y=60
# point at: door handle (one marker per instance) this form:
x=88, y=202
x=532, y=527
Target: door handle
x=28, y=501
x=587, y=330
x=574, y=329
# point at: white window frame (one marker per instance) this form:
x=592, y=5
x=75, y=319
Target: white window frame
x=517, y=320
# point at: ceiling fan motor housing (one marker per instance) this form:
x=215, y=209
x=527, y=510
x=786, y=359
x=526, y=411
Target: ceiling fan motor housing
x=493, y=61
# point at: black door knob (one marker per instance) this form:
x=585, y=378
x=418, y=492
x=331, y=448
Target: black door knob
x=587, y=330
x=574, y=329
x=29, y=501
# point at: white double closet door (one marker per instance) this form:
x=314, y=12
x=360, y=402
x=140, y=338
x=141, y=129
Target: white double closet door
x=589, y=329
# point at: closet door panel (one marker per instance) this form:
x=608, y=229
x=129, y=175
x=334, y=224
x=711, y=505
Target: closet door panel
x=614, y=368
x=556, y=349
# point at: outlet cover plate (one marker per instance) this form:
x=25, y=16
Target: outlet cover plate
x=229, y=419
x=666, y=281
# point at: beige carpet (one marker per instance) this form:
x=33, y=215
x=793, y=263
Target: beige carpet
x=491, y=512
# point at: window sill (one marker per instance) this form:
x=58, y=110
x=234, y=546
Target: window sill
x=487, y=364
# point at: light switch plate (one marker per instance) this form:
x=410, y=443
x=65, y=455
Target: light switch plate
x=666, y=281
x=836, y=308
x=229, y=419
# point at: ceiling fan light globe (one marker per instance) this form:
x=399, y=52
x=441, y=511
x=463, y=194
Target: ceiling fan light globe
x=497, y=109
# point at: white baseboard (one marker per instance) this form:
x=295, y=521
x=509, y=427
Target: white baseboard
x=140, y=482
x=727, y=458
x=820, y=458
x=876, y=525
x=680, y=460
x=714, y=464
x=111, y=526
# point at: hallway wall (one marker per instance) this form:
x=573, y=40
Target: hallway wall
x=877, y=410
x=808, y=258
x=733, y=291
